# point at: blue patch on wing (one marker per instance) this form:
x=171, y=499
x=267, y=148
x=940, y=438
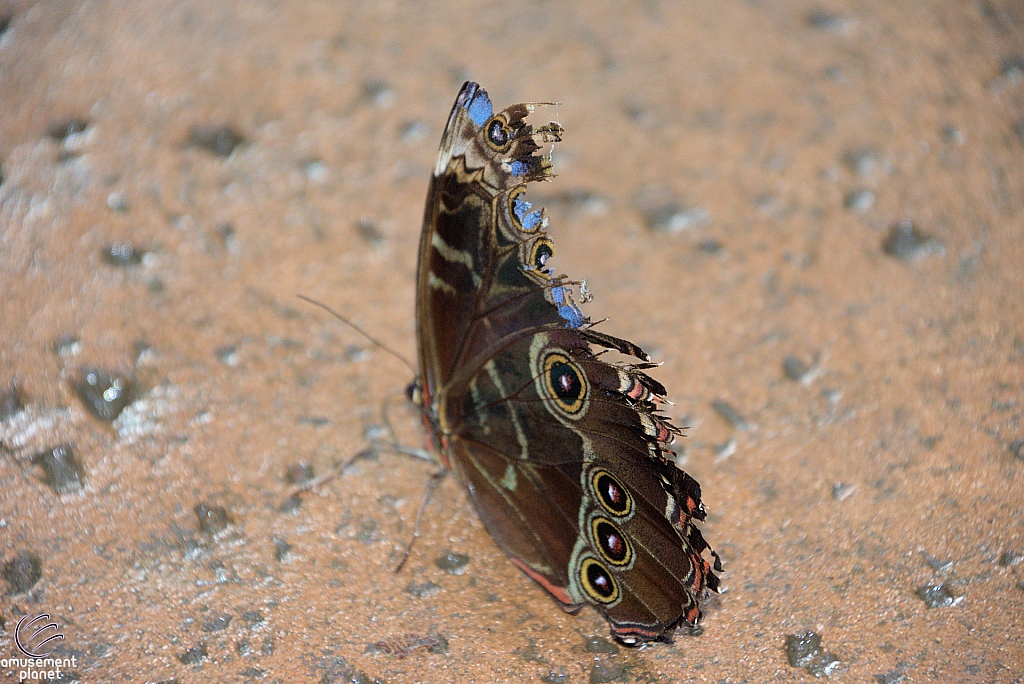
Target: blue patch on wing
x=519, y=168
x=480, y=108
x=520, y=207
x=530, y=221
x=572, y=315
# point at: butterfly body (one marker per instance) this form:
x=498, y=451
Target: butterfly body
x=565, y=456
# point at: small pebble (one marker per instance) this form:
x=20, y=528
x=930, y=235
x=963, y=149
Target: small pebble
x=104, y=393
x=938, y=595
x=252, y=618
x=122, y=254
x=606, y=669
x=22, y=572
x=116, y=201
x=212, y=519
x=892, y=677
x=216, y=624
x=12, y=401
x=842, y=490
x=1011, y=558
x=368, y=230
x=798, y=371
x=194, y=655
x=937, y=564
x=379, y=93
x=907, y=243
x=453, y=563
x=1017, y=448
x=300, y=473
x=731, y=415
x=63, y=471
x=424, y=589
x=597, y=644
x=282, y=550
x=63, y=128
x=67, y=345
x=220, y=140
x=866, y=162
x=859, y=201
x=804, y=650
x=827, y=21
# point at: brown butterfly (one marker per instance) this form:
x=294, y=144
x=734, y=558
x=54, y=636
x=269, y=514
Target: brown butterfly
x=565, y=455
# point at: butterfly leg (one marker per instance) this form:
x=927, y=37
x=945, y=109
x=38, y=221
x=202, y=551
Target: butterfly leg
x=435, y=479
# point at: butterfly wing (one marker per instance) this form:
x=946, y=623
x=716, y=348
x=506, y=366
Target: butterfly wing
x=565, y=455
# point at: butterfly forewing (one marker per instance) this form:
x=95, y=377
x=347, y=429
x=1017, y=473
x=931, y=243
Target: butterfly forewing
x=565, y=455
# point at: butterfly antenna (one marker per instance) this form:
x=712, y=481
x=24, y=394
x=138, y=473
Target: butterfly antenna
x=359, y=330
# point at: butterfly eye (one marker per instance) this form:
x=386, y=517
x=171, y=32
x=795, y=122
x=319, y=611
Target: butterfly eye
x=498, y=134
x=611, y=542
x=598, y=582
x=611, y=494
x=565, y=383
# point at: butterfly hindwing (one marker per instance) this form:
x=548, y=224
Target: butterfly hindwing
x=565, y=455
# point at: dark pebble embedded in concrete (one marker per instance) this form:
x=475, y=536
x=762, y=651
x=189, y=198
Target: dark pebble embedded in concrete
x=282, y=550
x=598, y=644
x=105, y=394
x=827, y=21
x=62, y=469
x=1008, y=559
x=337, y=670
x=369, y=231
x=937, y=564
x=907, y=243
x=1017, y=448
x=559, y=676
x=731, y=415
x=22, y=572
x=710, y=246
x=804, y=650
x=291, y=504
x=423, y=589
x=194, y=655
x=379, y=92
x=797, y=370
x=67, y=345
x=300, y=473
x=212, y=519
x=216, y=624
x=859, y=201
x=453, y=563
x=606, y=669
x=252, y=618
x=12, y=401
x=865, y=162
x=842, y=490
x=892, y=677
x=62, y=128
x=220, y=140
x=122, y=254
x=938, y=595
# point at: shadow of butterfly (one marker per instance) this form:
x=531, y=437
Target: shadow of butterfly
x=565, y=456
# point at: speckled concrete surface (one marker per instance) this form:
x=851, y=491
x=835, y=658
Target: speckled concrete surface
x=731, y=184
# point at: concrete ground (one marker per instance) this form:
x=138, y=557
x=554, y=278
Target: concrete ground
x=811, y=212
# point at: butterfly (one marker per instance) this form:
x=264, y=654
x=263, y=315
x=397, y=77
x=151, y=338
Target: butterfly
x=565, y=455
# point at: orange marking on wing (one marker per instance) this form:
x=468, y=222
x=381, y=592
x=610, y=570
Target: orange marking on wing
x=558, y=592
